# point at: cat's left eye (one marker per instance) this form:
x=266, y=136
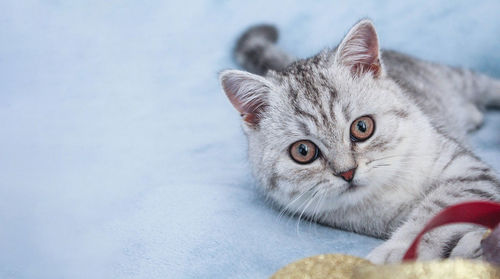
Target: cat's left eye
x=362, y=128
x=304, y=151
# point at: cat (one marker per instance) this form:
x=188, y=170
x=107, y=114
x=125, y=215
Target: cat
x=366, y=140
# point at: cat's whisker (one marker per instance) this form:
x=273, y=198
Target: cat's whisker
x=285, y=209
x=397, y=170
x=380, y=165
x=303, y=202
x=302, y=205
x=411, y=156
x=303, y=210
x=318, y=205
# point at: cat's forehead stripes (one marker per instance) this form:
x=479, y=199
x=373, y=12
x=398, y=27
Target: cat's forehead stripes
x=309, y=91
x=315, y=106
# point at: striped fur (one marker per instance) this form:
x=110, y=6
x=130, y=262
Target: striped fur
x=416, y=163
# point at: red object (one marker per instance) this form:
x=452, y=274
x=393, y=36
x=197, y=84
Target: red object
x=482, y=213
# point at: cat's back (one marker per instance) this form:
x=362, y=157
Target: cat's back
x=435, y=88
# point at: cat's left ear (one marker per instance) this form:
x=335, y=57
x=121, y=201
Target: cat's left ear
x=360, y=50
x=248, y=93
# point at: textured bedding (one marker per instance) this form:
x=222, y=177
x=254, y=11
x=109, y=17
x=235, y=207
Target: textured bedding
x=120, y=156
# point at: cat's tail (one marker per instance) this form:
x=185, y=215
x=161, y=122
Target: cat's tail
x=256, y=50
x=478, y=88
x=493, y=95
x=489, y=90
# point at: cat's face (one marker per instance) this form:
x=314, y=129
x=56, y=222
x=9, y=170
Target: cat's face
x=329, y=131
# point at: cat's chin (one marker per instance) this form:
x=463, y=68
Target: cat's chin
x=353, y=194
x=353, y=187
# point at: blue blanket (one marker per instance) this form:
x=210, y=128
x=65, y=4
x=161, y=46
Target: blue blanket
x=120, y=156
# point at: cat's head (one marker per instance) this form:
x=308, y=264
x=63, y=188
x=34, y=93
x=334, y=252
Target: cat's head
x=330, y=130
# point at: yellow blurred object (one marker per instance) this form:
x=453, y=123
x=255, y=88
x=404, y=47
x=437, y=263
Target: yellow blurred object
x=439, y=269
x=331, y=266
x=337, y=266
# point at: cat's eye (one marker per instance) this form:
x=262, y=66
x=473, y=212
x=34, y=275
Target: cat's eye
x=362, y=128
x=304, y=151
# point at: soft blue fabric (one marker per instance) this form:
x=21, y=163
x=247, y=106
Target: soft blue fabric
x=120, y=156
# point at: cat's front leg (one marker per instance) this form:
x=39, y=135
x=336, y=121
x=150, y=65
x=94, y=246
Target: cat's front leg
x=454, y=241
x=446, y=241
x=390, y=251
x=467, y=246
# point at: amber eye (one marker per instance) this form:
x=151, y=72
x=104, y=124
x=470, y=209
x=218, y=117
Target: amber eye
x=362, y=128
x=304, y=151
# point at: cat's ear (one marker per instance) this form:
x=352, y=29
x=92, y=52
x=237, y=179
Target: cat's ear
x=247, y=92
x=360, y=50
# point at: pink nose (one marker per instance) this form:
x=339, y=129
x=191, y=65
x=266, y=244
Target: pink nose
x=348, y=175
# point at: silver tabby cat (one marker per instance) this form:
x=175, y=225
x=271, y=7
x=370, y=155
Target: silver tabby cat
x=365, y=140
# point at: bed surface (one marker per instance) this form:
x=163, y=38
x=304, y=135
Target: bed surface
x=120, y=156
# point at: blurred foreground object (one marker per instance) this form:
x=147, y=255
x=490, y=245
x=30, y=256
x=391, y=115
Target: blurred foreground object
x=486, y=214
x=491, y=247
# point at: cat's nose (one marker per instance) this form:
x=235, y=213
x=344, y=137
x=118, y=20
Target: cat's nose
x=348, y=175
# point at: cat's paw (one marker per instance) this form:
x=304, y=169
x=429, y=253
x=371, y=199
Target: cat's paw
x=469, y=246
x=388, y=252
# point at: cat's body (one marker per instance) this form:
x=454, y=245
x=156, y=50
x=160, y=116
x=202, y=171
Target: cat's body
x=388, y=183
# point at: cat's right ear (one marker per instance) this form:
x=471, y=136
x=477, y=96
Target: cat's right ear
x=247, y=92
x=360, y=51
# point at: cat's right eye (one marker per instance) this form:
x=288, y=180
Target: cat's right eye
x=362, y=128
x=304, y=151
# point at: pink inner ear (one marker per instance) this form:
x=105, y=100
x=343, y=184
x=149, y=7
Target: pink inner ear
x=246, y=94
x=360, y=50
x=249, y=109
x=374, y=68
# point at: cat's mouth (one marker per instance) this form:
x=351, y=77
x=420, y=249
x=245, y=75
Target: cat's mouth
x=351, y=187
